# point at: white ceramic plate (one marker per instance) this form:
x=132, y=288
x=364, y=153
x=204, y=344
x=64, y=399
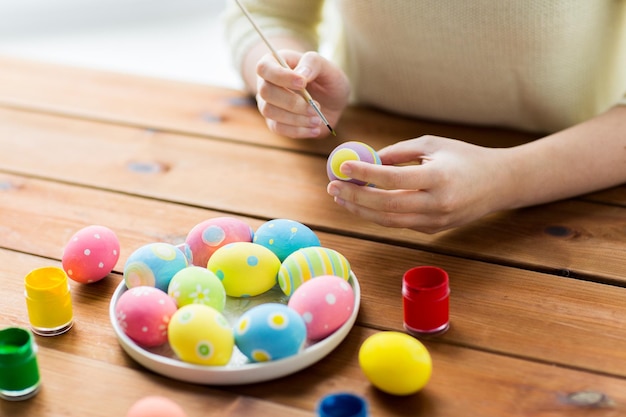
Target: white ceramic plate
x=239, y=370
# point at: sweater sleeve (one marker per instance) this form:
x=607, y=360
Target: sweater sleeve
x=294, y=18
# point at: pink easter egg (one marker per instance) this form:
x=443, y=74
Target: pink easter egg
x=91, y=254
x=155, y=406
x=144, y=313
x=210, y=235
x=325, y=303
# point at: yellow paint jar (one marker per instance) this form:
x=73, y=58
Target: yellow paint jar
x=48, y=301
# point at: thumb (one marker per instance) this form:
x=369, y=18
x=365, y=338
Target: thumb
x=412, y=150
x=309, y=66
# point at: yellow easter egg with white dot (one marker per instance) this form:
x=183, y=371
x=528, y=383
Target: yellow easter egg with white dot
x=200, y=334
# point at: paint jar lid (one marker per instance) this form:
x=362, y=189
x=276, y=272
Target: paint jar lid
x=342, y=405
x=19, y=372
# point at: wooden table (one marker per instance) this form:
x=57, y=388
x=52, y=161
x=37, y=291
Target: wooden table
x=538, y=304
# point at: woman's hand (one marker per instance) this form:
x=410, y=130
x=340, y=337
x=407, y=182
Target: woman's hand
x=428, y=184
x=280, y=102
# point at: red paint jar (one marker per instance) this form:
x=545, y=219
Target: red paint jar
x=426, y=300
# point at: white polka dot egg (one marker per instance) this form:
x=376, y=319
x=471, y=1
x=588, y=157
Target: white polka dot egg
x=144, y=314
x=325, y=303
x=91, y=254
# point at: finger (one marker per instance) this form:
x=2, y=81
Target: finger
x=417, y=221
x=384, y=201
x=286, y=126
x=309, y=66
x=389, y=177
x=412, y=150
x=295, y=132
x=270, y=69
x=282, y=97
x=286, y=116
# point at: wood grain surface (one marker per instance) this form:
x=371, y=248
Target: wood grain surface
x=538, y=303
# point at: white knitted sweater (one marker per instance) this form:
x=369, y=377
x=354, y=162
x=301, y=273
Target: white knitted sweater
x=539, y=65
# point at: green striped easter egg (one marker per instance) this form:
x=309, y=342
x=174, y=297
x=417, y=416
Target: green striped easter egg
x=310, y=262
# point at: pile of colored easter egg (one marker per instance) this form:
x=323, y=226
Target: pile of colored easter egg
x=184, y=291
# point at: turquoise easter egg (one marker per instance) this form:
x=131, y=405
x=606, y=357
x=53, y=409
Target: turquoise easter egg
x=269, y=332
x=153, y=265
x=284, y=236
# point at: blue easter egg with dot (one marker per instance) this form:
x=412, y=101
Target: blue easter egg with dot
x=284, y=236
x=269, y=332
x=245, y=268
x=154, y=265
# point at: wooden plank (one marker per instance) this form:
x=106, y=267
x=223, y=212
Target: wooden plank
x=616, y=196
x=521, y=342
x=494, y=308
x=464, y=382
x=213, y=111
x=107, y=390
x=201, y=172
x=200, y=109
x=463, y=379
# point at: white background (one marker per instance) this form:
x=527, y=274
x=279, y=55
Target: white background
x=175, y=39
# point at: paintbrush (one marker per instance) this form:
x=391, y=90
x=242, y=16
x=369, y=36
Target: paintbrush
x=282, y=62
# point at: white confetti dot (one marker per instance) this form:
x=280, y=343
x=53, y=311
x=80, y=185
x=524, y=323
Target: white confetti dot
x=308, y=317
x=144, y=329
x=70, y=272
x=331, y=299
x=97, y=236
x=101, y=265
x=87, y=252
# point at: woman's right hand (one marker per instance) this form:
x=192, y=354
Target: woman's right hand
x=279, y=99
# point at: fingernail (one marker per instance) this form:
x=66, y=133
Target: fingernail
x=315, y=121
x=340, y=201
x=299, y=83
x=315, y=131
x=304, y=71
x=345, y=169
x=332, y=190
